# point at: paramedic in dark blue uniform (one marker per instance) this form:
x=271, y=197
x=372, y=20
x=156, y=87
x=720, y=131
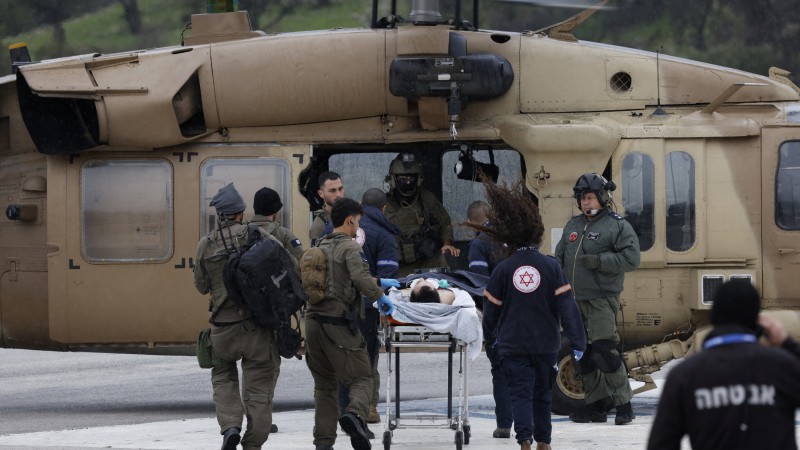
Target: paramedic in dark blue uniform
x=484, y=255
x=527, y=301
x=379, y=246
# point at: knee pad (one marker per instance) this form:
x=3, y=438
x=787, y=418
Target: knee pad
x=605, y=356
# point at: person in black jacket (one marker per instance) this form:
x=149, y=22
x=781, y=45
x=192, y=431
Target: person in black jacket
x=527, y=301
x=734, y=394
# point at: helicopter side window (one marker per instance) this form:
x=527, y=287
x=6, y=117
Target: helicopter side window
x=126, y=208
x=638, y=196
x=680, y=189
x=248, y=176
x=787, y=187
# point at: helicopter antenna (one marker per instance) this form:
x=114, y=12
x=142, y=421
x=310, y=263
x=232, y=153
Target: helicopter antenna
x=658, y=111
x=563, y=30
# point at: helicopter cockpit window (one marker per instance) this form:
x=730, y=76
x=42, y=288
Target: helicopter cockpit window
x=787, y=187
x=680, y=189
x=638, y=197
x=459, y=193
x=248, y=176
x=126, y=208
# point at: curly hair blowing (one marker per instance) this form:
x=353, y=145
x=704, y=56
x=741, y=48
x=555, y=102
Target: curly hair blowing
x=515, y=219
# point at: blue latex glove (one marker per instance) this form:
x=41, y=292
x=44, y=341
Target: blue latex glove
x=443, y=284
x=578, y=354
x=385, y=305
x=387, y=283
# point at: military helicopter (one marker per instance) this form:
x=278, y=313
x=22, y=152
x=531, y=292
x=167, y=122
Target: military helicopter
x=108, y=163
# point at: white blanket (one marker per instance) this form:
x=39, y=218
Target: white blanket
x=459, y=319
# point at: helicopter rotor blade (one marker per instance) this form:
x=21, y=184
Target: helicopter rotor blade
x=574, y=4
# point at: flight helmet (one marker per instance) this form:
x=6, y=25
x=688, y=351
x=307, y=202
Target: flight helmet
x=597, y=184
x=404, y=174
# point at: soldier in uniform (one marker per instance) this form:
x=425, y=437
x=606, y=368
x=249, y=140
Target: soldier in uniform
x=596, y=248
x=234, y=338
x=266, y=205
x=330, y=188
x=527, y=302
x=427, y=233
x=380, y=249
x=335, y=349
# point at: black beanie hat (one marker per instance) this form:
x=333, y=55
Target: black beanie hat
x=736, y=303
x=267, y=202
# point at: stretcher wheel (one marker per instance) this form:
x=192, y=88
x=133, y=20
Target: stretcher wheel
x=387, y=440
x=459, y=440
x=467, y=434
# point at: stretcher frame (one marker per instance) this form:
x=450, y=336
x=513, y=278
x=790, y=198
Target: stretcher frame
x=396, y=336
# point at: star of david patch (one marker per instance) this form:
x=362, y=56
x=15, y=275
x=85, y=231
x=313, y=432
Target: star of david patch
x=527, y=279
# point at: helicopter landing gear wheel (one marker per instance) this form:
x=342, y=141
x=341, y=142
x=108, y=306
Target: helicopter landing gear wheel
x=459, y=440
x=387, y=440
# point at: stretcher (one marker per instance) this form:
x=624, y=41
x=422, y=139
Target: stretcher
x=396, y=336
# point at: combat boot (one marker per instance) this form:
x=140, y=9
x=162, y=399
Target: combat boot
x=323, y=447
x=354, y=427
x=373, y=416
x=593, y=412
x=543, y=446
x=525, y=445
x=230, y=438
x=624, y=414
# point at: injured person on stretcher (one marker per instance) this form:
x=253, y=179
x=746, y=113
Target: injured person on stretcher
x=431, y=290
x=435, y=304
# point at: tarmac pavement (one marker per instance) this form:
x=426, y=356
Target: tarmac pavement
x=295, y=432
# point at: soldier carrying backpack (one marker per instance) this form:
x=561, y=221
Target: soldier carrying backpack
x=335, y=349
x=235, y=336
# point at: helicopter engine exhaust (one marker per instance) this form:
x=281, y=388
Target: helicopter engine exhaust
x=425, y=12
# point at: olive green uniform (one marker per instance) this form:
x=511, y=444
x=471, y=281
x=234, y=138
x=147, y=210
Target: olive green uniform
x=321, y=219
x=425, y=226
x=335, y=350
x=597, y=290
x=281, y=233
x=232, y=340
x=290, y=243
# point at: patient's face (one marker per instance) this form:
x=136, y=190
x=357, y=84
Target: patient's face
x=425, y=291
x=421, y=285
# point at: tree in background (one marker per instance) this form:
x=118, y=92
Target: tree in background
x=132, y=16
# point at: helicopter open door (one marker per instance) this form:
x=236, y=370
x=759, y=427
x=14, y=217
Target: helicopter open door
x=780, y=214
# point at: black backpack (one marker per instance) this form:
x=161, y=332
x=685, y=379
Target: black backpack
x=260, y=278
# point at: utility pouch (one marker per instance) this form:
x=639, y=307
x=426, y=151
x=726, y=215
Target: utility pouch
x=205, y=354
x=407, y=252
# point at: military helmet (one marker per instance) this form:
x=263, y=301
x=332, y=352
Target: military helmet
x=405, y=165
x=597, y=184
